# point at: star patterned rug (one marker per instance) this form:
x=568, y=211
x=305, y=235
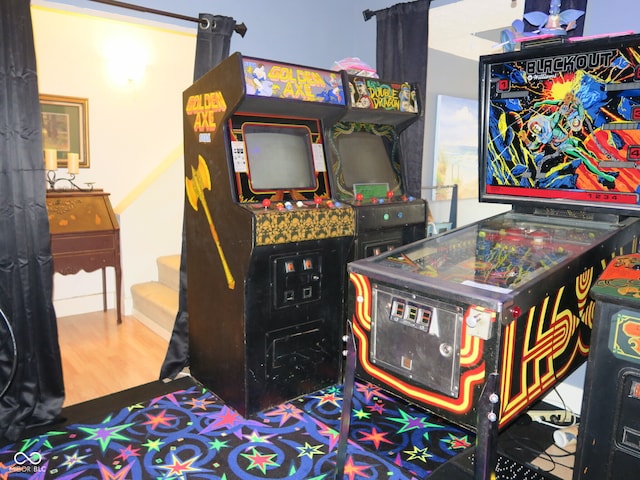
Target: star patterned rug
x=191, y=434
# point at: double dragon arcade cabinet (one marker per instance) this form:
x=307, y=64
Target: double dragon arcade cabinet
x=368, y=167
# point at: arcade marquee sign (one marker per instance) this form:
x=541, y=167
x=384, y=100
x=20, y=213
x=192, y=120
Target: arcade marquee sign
x=203, y=108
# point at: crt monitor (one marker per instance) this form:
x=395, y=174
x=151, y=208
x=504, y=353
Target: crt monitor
x=560, y=127
x=279, y=157
x=364, y=160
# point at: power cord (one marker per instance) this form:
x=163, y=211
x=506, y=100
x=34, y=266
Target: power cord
x=559, y=418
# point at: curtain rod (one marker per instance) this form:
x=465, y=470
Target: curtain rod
x=367, y=14
x=240, y=28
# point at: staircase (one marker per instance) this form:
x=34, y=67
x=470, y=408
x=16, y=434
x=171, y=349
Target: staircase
x=155, y=303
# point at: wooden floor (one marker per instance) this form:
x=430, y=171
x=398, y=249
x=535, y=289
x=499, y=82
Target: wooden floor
x=100, y=357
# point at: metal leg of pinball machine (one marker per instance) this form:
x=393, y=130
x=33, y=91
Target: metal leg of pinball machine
x=347, y=396
x=486, y=456
x=480, y=461
x=486, y=448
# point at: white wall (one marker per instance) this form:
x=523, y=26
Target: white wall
x=133, y=126
x=457, y=77
x=611, y=16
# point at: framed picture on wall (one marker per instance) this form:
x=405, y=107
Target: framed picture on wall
x=65, y=127
x=456, y=147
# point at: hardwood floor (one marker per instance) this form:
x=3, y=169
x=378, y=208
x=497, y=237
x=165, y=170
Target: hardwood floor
x=100, y=357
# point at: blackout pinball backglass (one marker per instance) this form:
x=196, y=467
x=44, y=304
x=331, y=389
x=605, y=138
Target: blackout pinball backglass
x=563, y=127
x=508, y=295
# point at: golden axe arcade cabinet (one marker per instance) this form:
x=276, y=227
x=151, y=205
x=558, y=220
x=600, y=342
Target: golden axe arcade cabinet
x=478, y=323
x=368, y=168
x=266, y=244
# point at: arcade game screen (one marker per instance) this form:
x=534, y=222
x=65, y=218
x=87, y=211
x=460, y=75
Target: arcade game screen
x=279, y=156
x=366, y=153
x=562, y=126
x=366, y=159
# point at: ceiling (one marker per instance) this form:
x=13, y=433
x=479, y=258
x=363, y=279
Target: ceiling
x=470, y=28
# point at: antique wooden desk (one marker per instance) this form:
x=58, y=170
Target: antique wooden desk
x=85, y=235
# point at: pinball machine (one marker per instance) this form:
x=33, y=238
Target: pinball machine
x=267, y=243
x=478, y=323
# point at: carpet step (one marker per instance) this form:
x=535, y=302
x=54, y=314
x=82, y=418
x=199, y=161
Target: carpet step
x=169, y=271
x=155, y=305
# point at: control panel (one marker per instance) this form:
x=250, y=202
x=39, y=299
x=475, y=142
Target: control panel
x=389, y=212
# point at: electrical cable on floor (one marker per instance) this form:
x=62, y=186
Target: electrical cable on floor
x=533, y=448
x=526, y=446
x=564, y=404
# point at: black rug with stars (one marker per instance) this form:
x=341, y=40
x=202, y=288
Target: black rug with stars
x=191, y=434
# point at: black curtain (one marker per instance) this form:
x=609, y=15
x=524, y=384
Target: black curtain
x=36, y=391
x=212, y=46
x=401, y=54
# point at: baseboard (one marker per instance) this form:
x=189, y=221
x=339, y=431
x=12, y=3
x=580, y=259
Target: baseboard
x=151, y=325
x=67, y=307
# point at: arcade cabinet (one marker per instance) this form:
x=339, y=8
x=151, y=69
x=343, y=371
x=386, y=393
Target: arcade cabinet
x=609, y=432
x=368, y=168
x=499, y=310
x=266, y=243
